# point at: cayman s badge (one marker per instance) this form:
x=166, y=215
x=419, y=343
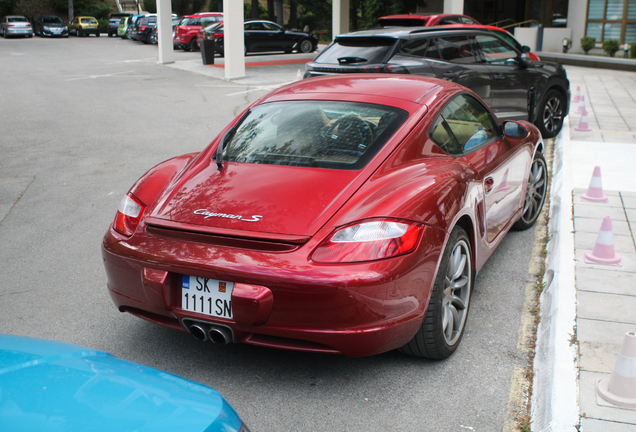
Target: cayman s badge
x=209, y=214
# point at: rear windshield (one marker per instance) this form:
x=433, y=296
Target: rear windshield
x=402, y=22
x=367, y=50
x=17, y=19
x=88, y=20
x=320, y=134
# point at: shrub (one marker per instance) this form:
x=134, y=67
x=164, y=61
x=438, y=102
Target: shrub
x=587, y=43
x=632, y=50
x=610, y=46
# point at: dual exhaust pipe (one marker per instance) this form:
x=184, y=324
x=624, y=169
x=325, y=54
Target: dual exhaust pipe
x=204, y=332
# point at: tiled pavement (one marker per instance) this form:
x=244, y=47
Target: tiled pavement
x=606, y=295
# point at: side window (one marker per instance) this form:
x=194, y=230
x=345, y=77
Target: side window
x=463, y=125
x=449, y=20
x=456, y=49
x=495, y=50
x=466, y=20
x=416, y=48
x=269, y=27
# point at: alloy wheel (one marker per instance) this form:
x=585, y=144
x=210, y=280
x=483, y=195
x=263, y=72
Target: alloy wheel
x=457, y=287
x=552, y=114
x=535, y=193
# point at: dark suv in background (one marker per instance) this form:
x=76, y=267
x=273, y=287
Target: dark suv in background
x=499, y=73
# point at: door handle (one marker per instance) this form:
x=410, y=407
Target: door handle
x=488, y=184
x=498, y=76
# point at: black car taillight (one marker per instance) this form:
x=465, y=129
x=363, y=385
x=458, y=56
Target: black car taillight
x=386, y=69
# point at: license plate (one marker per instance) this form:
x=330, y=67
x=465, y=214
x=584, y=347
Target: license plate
x=206, y=296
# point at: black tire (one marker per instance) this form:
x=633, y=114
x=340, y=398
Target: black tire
x=152, y=39
x=535, y=193
x=305, y=46
x=186, y=47
x=193, y=44
x=97, y=34
x=551, y=113
x=443, y=325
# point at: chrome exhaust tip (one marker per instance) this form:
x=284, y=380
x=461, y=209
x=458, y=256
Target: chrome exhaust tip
x=199, y=332
x=220, y=335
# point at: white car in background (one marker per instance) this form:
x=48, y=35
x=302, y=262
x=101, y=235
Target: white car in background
x=16, y=25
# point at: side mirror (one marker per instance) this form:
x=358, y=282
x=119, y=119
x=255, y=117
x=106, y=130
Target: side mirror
x=525, y=49
x=512, y=129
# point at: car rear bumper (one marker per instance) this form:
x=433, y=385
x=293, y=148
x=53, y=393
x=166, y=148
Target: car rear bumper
x=53, y=33
x=355, y=309
x=18, y=32
x=88, y=31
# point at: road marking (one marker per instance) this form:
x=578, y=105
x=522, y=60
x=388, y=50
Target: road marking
x=114, y=74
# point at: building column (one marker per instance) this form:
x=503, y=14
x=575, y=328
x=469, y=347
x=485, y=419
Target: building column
x=454, y=7
x=233, y=39
x=164, y=31
x=340, y=16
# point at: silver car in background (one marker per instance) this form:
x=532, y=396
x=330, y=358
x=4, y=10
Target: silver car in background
x=15, y=25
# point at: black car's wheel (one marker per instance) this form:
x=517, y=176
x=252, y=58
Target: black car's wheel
x=186, y=47
x=535, y=193
x=551, y=113
x=153, y=38
x=97, y=34
x=305, y=46
x=444, y=322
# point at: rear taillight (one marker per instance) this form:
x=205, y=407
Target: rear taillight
x=128, y=215
x=368, y=241
x=10, y=25
x=142, y=28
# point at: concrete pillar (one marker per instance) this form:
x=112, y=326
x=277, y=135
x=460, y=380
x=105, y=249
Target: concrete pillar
x=340, y=14
x=454, y=7
x=233, y=39
x=164, y=31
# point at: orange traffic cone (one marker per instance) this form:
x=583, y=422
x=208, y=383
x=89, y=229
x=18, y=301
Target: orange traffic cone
x=577, y=95
x=583, y=126
x=603, y=252
x=620, y=389
x=595, y=190
x=581, y=107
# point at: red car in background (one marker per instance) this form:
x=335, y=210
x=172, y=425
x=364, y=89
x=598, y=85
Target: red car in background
x=185, y=34
x=340, y=214
x=423, y=20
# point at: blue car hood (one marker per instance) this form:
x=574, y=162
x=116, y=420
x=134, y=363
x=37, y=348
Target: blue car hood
x=53, y=386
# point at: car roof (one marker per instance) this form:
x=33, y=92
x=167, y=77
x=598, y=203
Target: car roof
x=423, y=15
x=357, y=87
x=403, y=32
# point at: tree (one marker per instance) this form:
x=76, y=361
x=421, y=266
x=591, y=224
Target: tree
x=7, y=6
x=255, y=10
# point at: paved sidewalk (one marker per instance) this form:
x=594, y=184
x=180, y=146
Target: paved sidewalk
x=605, y=294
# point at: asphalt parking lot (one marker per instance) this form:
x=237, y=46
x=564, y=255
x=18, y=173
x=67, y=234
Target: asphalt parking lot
x=82, y=119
